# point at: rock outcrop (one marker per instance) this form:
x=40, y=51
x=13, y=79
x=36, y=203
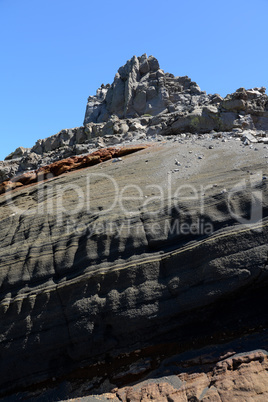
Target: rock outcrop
x=66, y=165
x=144, y=101
x=151, y=270
x=18, y=153
x=140, y=87
x=240, y=377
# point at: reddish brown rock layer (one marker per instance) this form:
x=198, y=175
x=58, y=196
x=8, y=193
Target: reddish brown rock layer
x=239, y=378
x=67, y=165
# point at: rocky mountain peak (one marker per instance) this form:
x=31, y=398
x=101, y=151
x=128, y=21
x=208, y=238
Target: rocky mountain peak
x=144, y=102
x=139, y=87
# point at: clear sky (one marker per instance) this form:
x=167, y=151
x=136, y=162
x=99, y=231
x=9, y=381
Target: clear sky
x=55, y=53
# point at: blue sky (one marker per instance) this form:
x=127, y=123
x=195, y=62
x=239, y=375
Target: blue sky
x=56, y=53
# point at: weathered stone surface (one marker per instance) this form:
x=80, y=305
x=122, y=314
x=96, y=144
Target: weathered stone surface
x=249, y=138
x=29, y=162
x=8, y=169
x=64, y=137
x=241, y=378
x=199, y=120
x=141, y=91
x=108, y=271
x=67, y=165
x=139, y=87
x=8, y=186
x=151, y=91
x=251, y=102
x=82, y=285
x=18, y=153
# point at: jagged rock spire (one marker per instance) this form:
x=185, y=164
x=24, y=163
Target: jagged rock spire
x=139, y=87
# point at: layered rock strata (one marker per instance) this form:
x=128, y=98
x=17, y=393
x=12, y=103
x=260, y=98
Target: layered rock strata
x=106, y=272
x=66, y=165
x=88, y=278
x=239, y=377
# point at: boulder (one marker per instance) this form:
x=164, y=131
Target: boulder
x=38, y=147
x=247, y=137
x=200, y=120
x=136, y=126
x=4, y=173
x=216, y=98
x=153, y=63
x=29, y=162
x=7, y=186
x=226, y=121
x=234, y=104
x=8, y=169
x=18, y=153
x=144, y=67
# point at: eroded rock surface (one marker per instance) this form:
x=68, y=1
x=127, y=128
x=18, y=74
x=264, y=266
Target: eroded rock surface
x=140, y=87
x=142, y=102
x=85, y=286
x=106, y=272
x=66, y=165
x=241, y=377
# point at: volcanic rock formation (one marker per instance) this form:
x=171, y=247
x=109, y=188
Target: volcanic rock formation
x=139, y=87
x=141, y=103
x=150, y=269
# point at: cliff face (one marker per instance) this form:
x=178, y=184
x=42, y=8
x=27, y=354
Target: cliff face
x=109, y=269
x=139, y=87
x=82, y=285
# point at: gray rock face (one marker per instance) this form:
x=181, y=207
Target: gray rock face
x=29, y=162
x=250, y=108
x=66, y=137
x=8, y=169
x=145, y=100
x=82, y=286
x=140, y=87
x=18, y=153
